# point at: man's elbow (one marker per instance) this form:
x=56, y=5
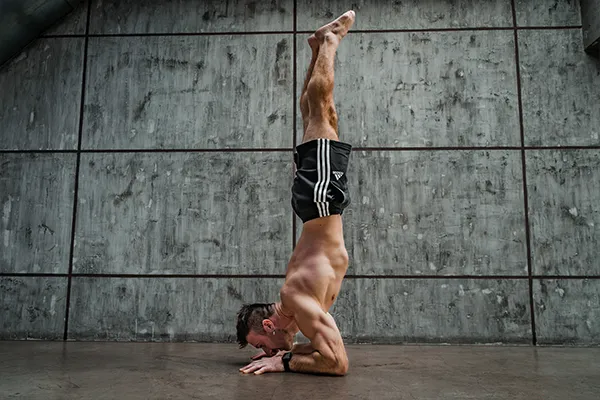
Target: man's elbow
x=341, y=368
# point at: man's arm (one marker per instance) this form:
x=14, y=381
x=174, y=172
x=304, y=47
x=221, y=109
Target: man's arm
x=329, y=356
x=303, y=348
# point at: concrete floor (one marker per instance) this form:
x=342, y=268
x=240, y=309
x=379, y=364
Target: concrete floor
x=80, y=370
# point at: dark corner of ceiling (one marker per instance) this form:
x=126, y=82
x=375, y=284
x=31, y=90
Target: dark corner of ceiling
x=22, y=21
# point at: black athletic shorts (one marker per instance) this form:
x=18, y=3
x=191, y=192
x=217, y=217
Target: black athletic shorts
x=320, y=185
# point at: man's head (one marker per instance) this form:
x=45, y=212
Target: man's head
x=257, y=325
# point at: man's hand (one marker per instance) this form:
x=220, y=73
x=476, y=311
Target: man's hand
x=262, y=365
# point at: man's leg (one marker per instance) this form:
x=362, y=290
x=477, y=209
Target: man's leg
x=313, y=42
x=316, y=101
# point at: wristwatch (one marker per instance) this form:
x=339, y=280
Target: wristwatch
x=286, y=361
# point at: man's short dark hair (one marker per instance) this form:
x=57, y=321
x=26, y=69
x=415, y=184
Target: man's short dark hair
x=250, y=317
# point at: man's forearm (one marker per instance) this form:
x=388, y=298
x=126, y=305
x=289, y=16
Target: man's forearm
x=315, y=363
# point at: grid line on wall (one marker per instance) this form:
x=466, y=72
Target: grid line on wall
x=308, y=32
x=290, y=150
x=77, y=169
x=277, y=276
x=524, y=182
x=295, y=105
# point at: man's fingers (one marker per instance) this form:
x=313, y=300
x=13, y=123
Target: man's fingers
x=258, y=356
x=261, y=371
x=243, y=369
x=246, y=366
x=252, y=368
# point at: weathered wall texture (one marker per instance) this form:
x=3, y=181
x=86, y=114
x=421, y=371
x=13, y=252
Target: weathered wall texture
x=476, y=204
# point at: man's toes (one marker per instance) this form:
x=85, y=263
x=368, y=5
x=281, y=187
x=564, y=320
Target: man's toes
x=339, y=26
x=346, y=21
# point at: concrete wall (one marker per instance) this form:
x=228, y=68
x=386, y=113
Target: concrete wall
x=474, y=177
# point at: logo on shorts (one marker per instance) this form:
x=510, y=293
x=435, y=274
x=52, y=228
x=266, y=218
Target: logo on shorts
x=338, y=174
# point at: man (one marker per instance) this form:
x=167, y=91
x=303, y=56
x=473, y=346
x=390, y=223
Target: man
x=320, y=260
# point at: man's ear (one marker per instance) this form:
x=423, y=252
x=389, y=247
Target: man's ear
x=268, y=325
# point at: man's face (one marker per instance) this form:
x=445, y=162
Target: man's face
x=271, y=344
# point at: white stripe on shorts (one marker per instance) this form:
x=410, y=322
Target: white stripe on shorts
x=316, y=189
x=327, y=175
x=320, y=171
x=323, y=179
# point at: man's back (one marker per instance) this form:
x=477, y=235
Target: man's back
x=319, y=262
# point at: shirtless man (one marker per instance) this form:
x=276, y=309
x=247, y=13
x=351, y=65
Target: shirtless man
x=320, y=260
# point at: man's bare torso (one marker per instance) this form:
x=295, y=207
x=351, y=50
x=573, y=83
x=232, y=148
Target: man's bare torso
x=324, y=261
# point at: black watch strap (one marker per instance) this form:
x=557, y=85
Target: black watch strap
x=286, y=361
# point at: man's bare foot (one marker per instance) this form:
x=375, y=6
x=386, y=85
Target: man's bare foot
x=339, y=27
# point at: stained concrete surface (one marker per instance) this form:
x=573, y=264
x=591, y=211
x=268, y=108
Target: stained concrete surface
x=32, y=307
x=564, y=211
x=209, y=371
x=189, y=92
x=156, y=16
x=436, y=213
x=548, y=13
x=195, y=213
x=561, y=89
x=567, y=311
x=32, y=118
x=434, y=310
x=411, y=14
x=36, y=199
